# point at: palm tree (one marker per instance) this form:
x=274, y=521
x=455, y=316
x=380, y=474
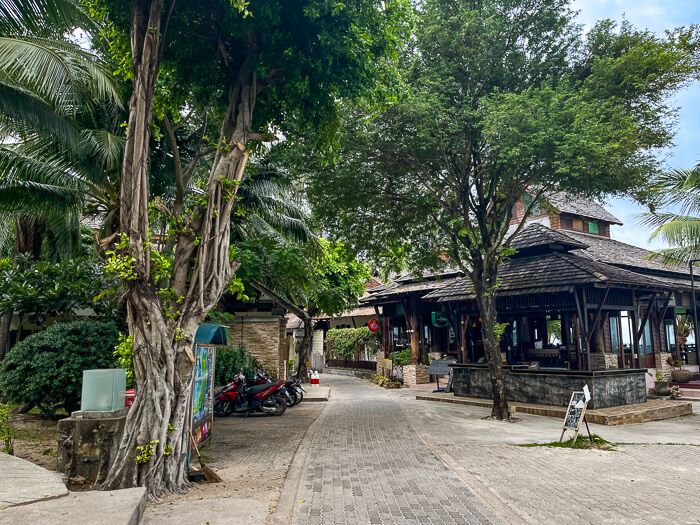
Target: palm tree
x=51, y=93
x=675, y=215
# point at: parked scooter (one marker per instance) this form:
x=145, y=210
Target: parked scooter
x=237, y=397
x=293, y=389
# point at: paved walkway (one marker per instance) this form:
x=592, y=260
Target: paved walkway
x=367, y=465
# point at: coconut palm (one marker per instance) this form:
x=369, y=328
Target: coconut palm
x=675, y=215
x=52, y=94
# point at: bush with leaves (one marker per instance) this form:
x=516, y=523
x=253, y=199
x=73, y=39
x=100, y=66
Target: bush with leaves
x=230, y=360
x=401, y=358
x=350, y=342
x=39, y=291
x=46, y=369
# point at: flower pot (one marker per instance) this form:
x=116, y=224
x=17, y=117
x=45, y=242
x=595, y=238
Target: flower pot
x=681, y=376
x=662, y=389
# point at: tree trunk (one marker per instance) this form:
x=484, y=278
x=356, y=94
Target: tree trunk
x=5, y=324
x=415, y=339
x=28, y=237
x=485, y=296
x=154, y=446
x=304, y=349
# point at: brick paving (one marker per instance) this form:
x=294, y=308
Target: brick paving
x=633, y=484
x=366, y=465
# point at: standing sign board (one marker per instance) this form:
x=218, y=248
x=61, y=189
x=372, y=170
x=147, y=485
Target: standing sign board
x=576, y=413
x=203, y=393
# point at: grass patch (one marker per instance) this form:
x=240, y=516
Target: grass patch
x=582, y=443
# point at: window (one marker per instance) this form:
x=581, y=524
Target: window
x=614, y=334
x=577, y=225
x=593, y=227
x=527, y=200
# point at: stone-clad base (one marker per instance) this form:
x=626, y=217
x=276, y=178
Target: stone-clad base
x=603, y=361
x=609, y=388
x=415, y=375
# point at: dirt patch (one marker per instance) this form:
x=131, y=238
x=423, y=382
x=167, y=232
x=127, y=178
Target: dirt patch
x=36, y=439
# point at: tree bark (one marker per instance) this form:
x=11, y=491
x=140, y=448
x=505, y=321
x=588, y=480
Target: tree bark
x=5, y=324
x=28, y=237
x=305, y=348
x=154, y=446
x=483, y=279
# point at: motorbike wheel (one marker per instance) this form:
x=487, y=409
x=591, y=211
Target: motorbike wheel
x=223, y=408
x=289, y=399
x=298, y=396
x=280, y=406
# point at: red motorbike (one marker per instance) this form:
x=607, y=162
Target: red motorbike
x=238, y=398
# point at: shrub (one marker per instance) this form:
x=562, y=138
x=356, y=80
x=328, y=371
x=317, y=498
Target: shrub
x=349, y=342
x=401, y=358
x=6, y=434
x=46, y=369
x=229, y=361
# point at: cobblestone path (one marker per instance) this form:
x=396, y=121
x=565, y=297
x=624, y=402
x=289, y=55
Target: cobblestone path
x=366, y=465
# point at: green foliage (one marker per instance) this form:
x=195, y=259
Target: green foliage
x=581, y=443
x=401, y=357
x=498, y=330
x=382, y=381
x=349, y=342
x=46, y=369
x=119, y=261
x=42, y=290
x=124, y=352
x=230, y=360
x=144, y=453
x=6, y=431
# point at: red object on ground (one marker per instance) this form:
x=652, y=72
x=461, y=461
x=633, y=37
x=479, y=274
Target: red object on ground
x=129, y=398
x=315, y=381
x=373, y=325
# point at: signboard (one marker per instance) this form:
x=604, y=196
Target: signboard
x=203, y=393
x=373, y=325
x=576, y=413
x=387, y=366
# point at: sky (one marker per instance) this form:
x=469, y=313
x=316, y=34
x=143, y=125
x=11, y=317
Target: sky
x=655, y=15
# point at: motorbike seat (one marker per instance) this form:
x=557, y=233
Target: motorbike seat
x=258, y=388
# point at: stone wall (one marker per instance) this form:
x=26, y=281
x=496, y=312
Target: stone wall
x=608, y=388
x=263, y=338
x=662, y=366
x=415, y=375
x=603, y=361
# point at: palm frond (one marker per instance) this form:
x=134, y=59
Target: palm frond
x=677, y=256
x=58, y=72
x=19, y=16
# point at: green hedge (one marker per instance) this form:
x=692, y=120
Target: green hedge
x=349, y=342
x=46, y=369
x=229, y=361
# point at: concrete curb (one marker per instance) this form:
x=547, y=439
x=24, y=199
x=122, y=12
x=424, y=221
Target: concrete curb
x=289, y=495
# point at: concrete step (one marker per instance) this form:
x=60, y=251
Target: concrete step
x=24, y=482
x=652, y=410
x=116, y=507
x=317, y=393
x=690, y=392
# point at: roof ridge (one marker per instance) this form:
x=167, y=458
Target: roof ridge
x=581, y=267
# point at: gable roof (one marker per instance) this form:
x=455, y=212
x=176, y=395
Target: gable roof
x=582, y=206
x=548, y=272
x=538, y=235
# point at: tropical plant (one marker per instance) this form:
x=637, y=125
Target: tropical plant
x=230, y=360
x=674, y=199
x=52, y=95
x=46, y=369
x=351, y=342
x=401, y=357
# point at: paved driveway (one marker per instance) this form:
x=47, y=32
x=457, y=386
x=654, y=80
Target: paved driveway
x=367, y=465
x=380, y=456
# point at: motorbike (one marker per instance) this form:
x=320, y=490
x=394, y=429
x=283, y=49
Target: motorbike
x=237, y=397
x=293, y=389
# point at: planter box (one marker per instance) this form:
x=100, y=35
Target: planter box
x=609, y=388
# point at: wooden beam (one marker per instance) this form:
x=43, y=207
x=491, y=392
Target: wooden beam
x=300, y=313
x=598, y=311
x=640, y=331
x=664, y=308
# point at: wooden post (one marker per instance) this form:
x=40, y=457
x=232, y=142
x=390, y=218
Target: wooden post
x=464, y=325
x=386, y=335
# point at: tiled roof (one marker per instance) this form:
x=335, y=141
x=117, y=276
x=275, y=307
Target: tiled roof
x=624, y=255
x=582, y=206
x=554, y=271
x=536, y=235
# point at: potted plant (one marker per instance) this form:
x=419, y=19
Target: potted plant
x=661, y=387
x=679, y=374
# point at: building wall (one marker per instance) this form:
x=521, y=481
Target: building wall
x=264, y=337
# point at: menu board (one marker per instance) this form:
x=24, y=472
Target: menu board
x=203, y=393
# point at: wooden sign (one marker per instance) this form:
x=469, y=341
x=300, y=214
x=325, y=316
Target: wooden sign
x=576, y=413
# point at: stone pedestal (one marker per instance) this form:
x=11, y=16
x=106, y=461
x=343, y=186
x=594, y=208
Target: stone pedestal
x=662, y=365
x=87, y=443
x=415, y=375
x=603, y=361
x=434, y=356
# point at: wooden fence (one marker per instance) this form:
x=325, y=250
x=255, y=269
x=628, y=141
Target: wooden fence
x=349, y=363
